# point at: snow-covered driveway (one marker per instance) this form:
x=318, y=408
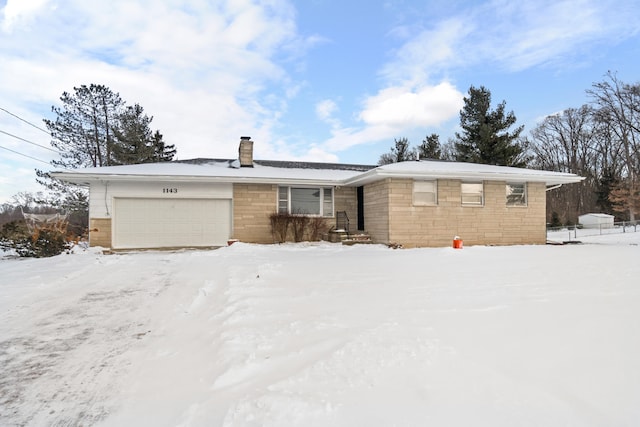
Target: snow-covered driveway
x=66, y=325
x=316, y=335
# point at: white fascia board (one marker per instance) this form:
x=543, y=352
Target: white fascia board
x=549, y=179
x=86, y=179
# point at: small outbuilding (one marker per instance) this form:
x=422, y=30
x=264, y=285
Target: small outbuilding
x=596, y=220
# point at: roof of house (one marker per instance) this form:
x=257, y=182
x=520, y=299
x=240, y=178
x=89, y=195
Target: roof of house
x=284, y=164
x=301, y=173
x=438, y=169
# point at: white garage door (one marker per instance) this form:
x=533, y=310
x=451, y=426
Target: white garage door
x=162, y=223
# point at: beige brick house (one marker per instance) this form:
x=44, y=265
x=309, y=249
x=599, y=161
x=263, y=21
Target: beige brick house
x=207, y=202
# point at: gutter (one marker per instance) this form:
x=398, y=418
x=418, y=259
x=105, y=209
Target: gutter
x=376, y=174
x=87, y=179
x=358, y=179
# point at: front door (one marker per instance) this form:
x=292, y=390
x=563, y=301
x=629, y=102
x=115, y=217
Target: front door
x=360, y=194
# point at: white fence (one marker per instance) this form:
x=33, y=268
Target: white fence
x=575, y=232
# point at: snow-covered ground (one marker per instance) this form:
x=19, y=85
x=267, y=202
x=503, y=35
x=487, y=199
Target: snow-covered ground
x=324, y=335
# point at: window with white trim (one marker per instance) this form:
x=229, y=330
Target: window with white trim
x=516, y=194
x=425, y=193
x=306, y=200
x=472, y=193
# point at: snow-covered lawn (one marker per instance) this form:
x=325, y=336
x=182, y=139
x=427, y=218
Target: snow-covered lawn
x=324, y=335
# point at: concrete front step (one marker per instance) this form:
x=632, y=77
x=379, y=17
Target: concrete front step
x=357, y=242
x=337, y=236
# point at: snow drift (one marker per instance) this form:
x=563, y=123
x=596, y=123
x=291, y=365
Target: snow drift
x=324, y=334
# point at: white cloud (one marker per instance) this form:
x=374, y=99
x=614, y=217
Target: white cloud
x=397, y=110
x=317, y=154
x=429, y=52
x=501, y=33
x=511, y=35
x=16, y=11
x=206, y=71
x=526, y=35
x=405, y=107
x=325, y=109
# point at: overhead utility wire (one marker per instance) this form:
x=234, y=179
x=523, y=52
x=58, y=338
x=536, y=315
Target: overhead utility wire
x=24, y=155
x=26, y=121
x=29, y=142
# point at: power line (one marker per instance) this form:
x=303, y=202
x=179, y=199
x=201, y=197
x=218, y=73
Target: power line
x=29, y=142
x=26, y=121
x=24, y=155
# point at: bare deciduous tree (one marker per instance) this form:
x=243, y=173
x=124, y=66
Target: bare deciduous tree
x=617, y=107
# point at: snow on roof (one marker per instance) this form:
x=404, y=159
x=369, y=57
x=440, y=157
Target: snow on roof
x=434, y=169
x=213, y=170
x=596, y=215
x=221, y=170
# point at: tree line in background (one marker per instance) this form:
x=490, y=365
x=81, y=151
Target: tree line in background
x=93, y=127
x=599, y=141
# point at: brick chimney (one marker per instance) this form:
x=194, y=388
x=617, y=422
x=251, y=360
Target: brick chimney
x=245, y=152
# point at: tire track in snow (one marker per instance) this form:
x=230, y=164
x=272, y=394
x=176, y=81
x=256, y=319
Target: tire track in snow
x=47, y=378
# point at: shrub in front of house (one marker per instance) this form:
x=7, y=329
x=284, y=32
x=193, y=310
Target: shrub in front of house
x=41, y=243
x=295, y=227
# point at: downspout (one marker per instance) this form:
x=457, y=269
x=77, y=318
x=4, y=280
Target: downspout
x=106, y=191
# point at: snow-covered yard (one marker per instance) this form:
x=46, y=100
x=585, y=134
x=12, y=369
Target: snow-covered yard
x=324, y=335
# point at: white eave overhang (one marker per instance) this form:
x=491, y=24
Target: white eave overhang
x=350, y=179
x=86, y=179
x=550, y=178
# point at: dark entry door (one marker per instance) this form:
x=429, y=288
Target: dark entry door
x=360, y=194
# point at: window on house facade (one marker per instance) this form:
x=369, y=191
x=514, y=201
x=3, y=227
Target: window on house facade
x=516, y=194
x=425, y=193
x=306, y=200
x=472, y=193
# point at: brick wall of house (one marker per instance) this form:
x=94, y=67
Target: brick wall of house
x=345, y=200
x=254, y=203
x=252, y=206
x=425, y=226
x=100, y=232
x=376, y=210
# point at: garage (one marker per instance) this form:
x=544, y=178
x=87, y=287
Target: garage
x=165, y=223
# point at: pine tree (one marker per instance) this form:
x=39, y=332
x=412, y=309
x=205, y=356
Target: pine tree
x=134, y=137
x=83, y=134
x=83, y=129
x=430, y=148
x=161, y=151
x=95, y=128
x=606, y=184
x=135, y=141
x=485, y=136
x=400, y=152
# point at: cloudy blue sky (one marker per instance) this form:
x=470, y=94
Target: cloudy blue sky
x=317, y=80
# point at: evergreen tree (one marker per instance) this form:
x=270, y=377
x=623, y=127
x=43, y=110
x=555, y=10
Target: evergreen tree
x=161, y=151
x=430, y=148
x=606, y=184
x=95, y=128
x=135, y=141
x=485, y=136
x=83, y=134
x=400, y=152
x=83, y=129
x=133, y=136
